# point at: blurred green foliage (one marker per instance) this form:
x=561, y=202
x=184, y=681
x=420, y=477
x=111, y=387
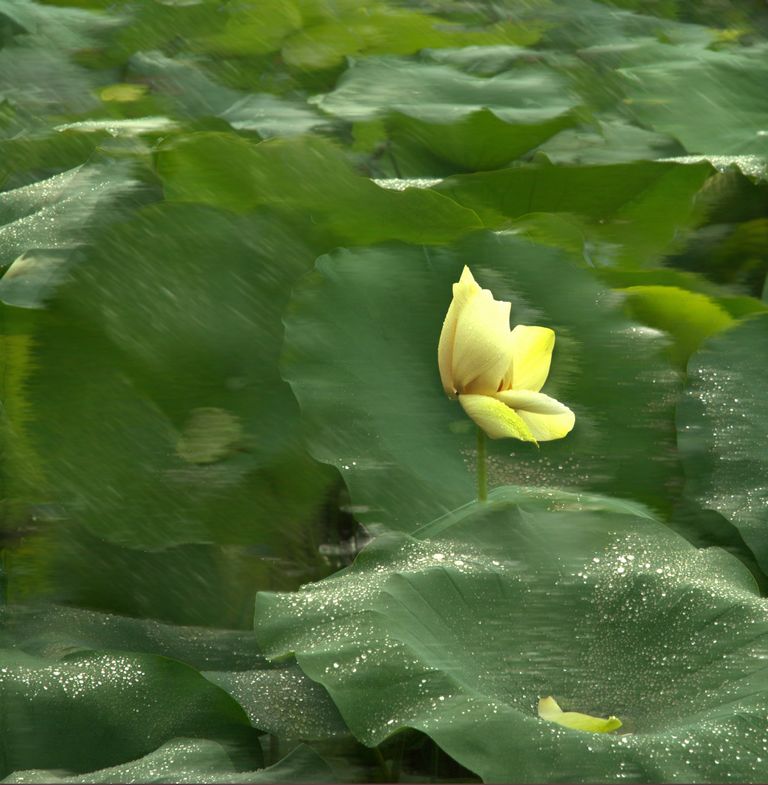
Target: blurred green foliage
x=228, y=231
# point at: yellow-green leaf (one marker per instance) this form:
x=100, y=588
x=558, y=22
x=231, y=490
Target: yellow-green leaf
x=689, y=317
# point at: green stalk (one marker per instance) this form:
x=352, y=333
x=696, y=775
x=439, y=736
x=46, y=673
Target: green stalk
x=382, y=764
x=482, y=467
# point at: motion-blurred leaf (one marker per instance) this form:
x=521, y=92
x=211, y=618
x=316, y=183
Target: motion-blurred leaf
x=42, y=224
x=304, y=176
x=163, y=340
x=724, y=115
x=632, y=213
x=186, y=90
x=688, y=317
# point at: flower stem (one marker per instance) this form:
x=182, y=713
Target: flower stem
x=482, y=468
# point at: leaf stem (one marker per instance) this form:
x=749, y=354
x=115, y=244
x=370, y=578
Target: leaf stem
x=382, y=764
x=435, y=763
x=274, y=749
x=482, y=466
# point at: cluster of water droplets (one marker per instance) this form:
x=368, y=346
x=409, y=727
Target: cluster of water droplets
x=730, y=420
x=73, y=679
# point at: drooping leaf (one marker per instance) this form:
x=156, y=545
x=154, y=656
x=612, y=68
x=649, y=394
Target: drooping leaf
x=734, y=305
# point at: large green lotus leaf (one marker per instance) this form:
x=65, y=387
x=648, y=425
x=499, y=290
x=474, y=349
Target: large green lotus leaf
x=629, y=214
x=361, y=356
x=722, y=428
x=92, y=710
x=194, y=761
x=170, y=423
x=724, y=115
x=460, y=635
x=435, y=93
x=308, y=176
x=468, y=121
x=54, y=213
x=529, y=499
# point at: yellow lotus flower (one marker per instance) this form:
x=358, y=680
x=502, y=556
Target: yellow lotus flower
x=495, y=372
